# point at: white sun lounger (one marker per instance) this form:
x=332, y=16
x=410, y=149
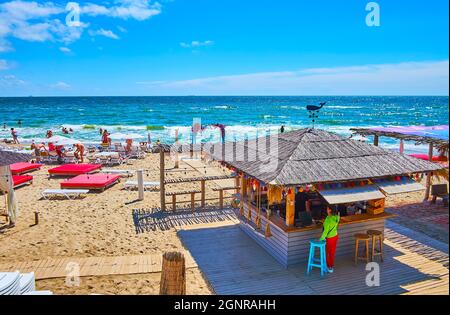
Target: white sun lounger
x=39, y=293
x=68, y=193
x=124, y=173
x=133, y=184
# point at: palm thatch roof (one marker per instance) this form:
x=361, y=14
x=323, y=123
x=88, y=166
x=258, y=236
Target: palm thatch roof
x=309, y=156
x=438, y=142
x=11, y=157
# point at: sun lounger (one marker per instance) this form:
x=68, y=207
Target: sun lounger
x=22, y=168
x=68, y=193
x=147, y=185
x=74, y=169
x=91, y=182
x=10, y=283
x=39, y=293
x=22, y=180
x=123, y=173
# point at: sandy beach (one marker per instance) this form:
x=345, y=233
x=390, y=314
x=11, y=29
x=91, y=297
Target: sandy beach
x=98, y=225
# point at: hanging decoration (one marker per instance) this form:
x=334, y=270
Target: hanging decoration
x=268, y=232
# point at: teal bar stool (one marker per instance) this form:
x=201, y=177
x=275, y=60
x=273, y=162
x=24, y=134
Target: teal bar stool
x=321, y=262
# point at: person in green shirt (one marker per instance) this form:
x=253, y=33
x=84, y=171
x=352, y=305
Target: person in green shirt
x=330, y=235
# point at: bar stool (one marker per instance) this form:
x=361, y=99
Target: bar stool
x=361, y=238
x=376, y=235
x=321, y=262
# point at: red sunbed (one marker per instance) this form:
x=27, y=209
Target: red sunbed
x=21, y=168
x=426, y=158
x=94, y=181
x=74, y=169
x=21, y=180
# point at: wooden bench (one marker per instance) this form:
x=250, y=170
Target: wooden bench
x=174, y=195
x=441, y=191
x=221, y=190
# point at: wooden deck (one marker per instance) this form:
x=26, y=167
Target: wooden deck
x=93, y=266
x=234, y=264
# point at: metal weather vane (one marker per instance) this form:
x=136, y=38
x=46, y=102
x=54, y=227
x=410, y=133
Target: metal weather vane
x=314, y=112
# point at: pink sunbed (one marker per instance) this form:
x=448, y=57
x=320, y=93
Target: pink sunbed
x=22, y=168
x=74, y=169
x=21, y=180
x=91, y=182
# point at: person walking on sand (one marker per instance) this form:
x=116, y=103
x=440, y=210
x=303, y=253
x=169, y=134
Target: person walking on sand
x=79, y=151
x=14, y=136
x=330, y=235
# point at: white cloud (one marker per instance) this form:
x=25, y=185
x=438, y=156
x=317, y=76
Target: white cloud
x=125, y=9
x=196, y=44
x=45, y=21
x=408, y=78
x=65, y=50
x=60, y=86
x=4, y=65
x=11, y=80
x=105, y=33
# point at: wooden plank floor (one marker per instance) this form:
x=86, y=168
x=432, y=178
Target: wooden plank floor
x=234, y=264
x=93, y=266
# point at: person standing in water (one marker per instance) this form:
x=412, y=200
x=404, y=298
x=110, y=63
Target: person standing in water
x=282, y=129
x=14, y=136
x=19, y=123
x=330, y=235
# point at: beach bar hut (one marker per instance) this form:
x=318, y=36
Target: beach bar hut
x=288, y=180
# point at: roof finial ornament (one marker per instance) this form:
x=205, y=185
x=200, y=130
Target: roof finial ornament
x=314, y=112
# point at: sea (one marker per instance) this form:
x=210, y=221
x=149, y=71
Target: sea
x=242, y=116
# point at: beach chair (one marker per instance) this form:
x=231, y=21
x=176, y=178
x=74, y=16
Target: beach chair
x=129, y=185
x=123, y=173
x=440, y=191
x=68, y=193
x=45, y=292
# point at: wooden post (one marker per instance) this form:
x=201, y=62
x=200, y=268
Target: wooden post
x=290, y=209
x=237, y=182
x=162, y=190
x=375, y=140
x=221, y=198
x=177, y=162
x=428, y=184
x=173, y=274
x=140, y=179
x=193, y=201
x=203, y=188
x=243, y=188
x=36, y=218
x=174, y=202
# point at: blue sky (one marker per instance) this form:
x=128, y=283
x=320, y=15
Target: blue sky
x=224, y=47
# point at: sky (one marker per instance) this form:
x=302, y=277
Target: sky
x=224, y=47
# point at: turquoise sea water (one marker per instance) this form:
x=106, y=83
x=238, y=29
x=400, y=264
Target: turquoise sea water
x=243, y=116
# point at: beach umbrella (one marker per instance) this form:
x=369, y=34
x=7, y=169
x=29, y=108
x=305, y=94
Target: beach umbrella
x=67, y=142
x=125, y=136
x=55, y=139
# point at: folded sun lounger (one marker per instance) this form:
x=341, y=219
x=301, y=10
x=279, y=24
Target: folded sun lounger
x=74, y=169
x=68, y=193
x=21, y=180
x=147, y=185
x=91, y=182
x=22, y=168
x=124, y=173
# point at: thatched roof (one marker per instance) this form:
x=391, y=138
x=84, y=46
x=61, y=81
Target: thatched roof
x=309, y=156
x=438, y=142
x=11, y=157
